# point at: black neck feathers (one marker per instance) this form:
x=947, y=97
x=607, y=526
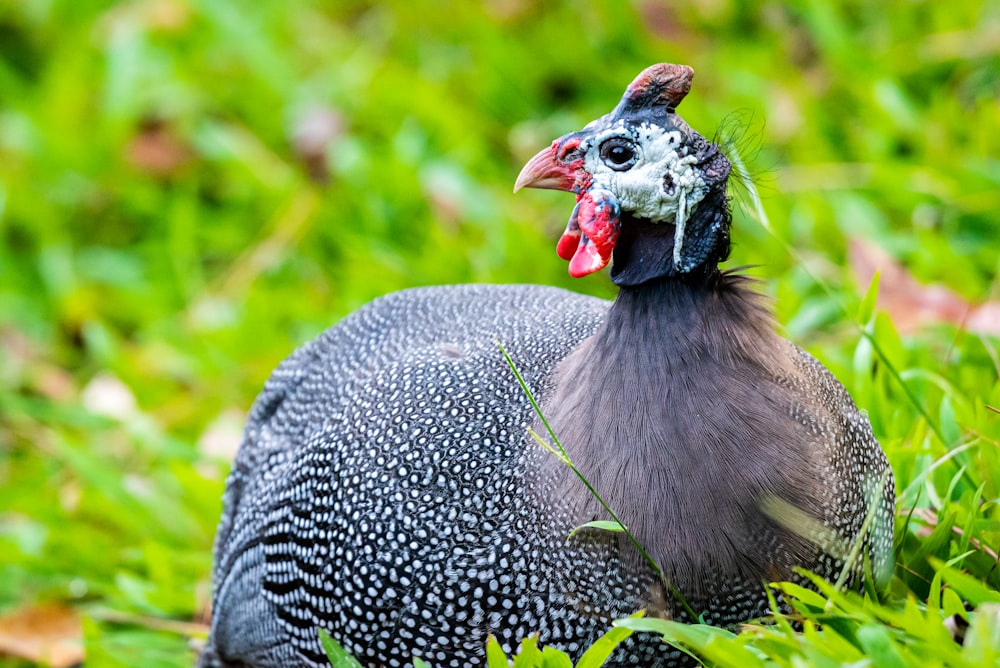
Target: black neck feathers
x=675, y=411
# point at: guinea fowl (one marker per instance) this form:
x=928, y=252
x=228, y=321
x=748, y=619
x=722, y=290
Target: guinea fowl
x=387, y=489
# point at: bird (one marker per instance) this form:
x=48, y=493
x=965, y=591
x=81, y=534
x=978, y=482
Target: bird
x=389, y=490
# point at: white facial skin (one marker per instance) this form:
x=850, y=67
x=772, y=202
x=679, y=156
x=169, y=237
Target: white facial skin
x=640, y=188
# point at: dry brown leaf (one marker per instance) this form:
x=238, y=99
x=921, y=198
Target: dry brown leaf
x=929, y=515
x=48, y=634
x=157, y=150
x=910, y=304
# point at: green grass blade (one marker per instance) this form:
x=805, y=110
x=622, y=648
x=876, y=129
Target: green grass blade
x=495, y=656
x=338, y=656
x=604, y=525
x=599, y=652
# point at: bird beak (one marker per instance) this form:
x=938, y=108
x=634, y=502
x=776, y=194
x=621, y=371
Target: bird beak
x=546, y=171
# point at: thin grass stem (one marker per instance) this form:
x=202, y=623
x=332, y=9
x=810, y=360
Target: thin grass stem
x=564, y=457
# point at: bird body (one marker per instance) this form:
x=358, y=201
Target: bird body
x=388, y=491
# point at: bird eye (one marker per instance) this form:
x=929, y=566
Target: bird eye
x=618, y=154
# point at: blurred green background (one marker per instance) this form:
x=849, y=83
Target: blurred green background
x=190, y=189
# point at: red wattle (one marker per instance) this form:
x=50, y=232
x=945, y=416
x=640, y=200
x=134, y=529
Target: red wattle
x=596, y=224
x=599, y=220
x=568, y=243
x=586, y=260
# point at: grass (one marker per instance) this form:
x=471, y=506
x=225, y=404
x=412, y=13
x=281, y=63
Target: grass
x=190, y=189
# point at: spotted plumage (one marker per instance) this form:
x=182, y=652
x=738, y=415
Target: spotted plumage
x=387, y=489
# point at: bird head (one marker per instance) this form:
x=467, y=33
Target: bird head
x=650, y=190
